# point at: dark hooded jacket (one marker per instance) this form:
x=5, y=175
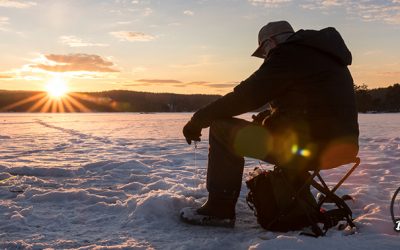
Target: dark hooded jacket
x=308, y=85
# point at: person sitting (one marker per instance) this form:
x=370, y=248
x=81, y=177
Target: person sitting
x=312, y=119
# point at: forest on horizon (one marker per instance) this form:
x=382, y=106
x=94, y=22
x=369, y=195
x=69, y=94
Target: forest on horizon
x=376, y=100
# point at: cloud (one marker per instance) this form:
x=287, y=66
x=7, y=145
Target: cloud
x=74, y=41
x=329, y=3
x=75, y=63
x=381, y=11
x=387, y=11
x=123, y=22
x=195, y=83
x=155, y=81
x=188, y=13
x=170, y=82
x=16, y=4
x=211, y=85
x=132, y=36
x=3, y=22
x=221, y=85
x=198, y=83
x=147, y=12
x=180, y=84
x=5, y=77
x=321, y=4
x=269, y=3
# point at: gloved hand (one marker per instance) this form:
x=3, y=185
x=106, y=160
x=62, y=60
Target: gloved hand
x=259, y=118
x=192, y=132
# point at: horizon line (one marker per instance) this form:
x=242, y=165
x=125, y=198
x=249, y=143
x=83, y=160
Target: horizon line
x=139, y=91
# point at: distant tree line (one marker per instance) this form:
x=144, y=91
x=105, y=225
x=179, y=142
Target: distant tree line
x=106, y=101
x=131, y=101
x=379, y=99
x=368, y=100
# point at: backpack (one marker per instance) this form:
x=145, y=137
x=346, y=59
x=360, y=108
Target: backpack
x=282, y=205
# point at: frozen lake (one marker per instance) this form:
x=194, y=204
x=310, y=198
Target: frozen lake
x=118, y=181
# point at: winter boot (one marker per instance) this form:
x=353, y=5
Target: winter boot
x=217, y=211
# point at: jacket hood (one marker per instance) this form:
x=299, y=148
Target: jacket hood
x=327, y=40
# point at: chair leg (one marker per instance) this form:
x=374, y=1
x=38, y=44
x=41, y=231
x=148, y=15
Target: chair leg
x=340, y=203
x=357, y=162
x=333, y=190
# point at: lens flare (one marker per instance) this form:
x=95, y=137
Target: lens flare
x=300, y=151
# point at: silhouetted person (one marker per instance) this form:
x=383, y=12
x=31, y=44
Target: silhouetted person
x=312, y=120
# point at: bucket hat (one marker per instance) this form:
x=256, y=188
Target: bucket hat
x=270, y=30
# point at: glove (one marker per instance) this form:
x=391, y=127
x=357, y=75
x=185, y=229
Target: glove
x=192, y=132
x=260, y=117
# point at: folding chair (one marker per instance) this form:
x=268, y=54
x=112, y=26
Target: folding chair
x=332, y=216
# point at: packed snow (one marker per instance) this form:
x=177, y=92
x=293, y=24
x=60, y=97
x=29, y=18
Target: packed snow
x=118, y=181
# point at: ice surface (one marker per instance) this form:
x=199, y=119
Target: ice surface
x=118, y=181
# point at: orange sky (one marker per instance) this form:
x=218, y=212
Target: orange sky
x=178, y=46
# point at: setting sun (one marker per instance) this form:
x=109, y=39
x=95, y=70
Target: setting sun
x=56, y=87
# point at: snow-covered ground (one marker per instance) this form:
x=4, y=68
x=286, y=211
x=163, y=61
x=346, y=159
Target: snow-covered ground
x=118, y=181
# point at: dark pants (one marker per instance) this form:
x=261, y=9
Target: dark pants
x=230, y=141
x=295, y=153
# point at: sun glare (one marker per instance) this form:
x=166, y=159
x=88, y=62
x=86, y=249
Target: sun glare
x=56, y=87
x=58, y=99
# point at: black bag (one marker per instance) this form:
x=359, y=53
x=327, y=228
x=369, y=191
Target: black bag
x=272, y=199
